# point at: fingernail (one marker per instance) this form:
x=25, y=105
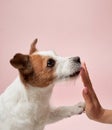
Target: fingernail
x=85, y=90
x=82, y=70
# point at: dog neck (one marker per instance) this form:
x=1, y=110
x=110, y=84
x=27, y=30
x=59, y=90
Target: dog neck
x=38, y=93
x=32, y=93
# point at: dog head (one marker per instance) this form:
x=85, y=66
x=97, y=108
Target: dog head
x=43, y=68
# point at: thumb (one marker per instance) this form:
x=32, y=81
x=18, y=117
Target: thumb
x=86, y=96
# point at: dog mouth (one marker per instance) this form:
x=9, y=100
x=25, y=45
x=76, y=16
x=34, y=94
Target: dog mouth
x=75, y=74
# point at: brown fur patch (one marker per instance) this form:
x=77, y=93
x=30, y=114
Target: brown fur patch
x=33, y=46
x=41, y=75
x=33, y=68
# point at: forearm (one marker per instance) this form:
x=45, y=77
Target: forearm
x=106, y=117
x=60, y=113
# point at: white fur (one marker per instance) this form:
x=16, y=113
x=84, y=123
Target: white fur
x=24, y=108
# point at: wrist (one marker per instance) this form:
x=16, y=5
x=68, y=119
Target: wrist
x=101, y=115
x=105, y=116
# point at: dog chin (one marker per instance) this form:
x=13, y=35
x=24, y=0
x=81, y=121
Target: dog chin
x=74, y=74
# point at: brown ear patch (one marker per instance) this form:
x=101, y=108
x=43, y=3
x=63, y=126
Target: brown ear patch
x=43, y=76
x=22, y=63
x=19, y=61
x=33, y=46
x=33, y=69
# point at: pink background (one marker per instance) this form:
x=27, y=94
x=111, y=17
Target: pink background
x=70, y=27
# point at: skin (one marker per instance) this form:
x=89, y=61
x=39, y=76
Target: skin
x=93, y=109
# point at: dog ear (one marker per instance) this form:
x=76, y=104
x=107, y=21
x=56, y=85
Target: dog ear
x=21, y=62
x=33, y=46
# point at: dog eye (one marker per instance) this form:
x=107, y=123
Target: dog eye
x=50, y=63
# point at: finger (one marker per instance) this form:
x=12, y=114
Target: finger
x=85, y=67
x=87, y=96
x=90, y=93
x=87, y=83
x=85, y=78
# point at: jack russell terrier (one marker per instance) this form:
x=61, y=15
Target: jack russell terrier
x=25, y=103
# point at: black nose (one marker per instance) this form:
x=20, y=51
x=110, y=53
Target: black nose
x=77, y=59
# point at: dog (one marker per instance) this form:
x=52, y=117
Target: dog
x=24, y=105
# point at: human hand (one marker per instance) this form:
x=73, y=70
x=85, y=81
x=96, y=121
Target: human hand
x=93, y=107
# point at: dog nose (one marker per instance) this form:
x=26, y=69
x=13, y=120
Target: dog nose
x=77, y=59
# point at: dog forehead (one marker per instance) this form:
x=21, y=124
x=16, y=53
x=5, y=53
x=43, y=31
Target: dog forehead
x=49, y=53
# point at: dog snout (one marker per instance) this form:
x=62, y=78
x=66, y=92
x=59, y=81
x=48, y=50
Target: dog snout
x=76, y=59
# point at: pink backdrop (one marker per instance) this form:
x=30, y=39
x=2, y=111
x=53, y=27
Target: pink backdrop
x=70, y=27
